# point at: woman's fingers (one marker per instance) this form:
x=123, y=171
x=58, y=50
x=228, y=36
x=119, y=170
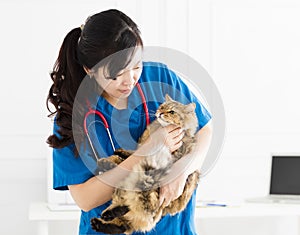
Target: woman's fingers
x=173, y=130
x=165, y=197
x=174, y=137
x=172, y=190
x=175, y=147
x=169, y=137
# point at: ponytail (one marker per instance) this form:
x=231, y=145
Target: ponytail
x=67, y=76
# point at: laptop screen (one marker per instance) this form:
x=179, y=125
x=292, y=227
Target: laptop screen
x=285, y=175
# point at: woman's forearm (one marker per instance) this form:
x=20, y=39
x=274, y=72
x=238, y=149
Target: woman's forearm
x=99, y=189
x=196, y=159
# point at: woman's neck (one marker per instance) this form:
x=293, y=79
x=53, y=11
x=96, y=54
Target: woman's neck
x=116, y=103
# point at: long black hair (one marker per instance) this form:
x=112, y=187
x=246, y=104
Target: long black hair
x=102, y=35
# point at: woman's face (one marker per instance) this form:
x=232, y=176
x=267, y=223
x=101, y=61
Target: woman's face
x=122, y=85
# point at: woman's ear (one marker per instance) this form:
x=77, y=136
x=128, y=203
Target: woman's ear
x=88, y=71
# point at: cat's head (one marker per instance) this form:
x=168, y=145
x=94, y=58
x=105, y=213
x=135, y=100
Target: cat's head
x=173, y=112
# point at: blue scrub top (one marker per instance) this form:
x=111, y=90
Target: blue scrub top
x=126, y=127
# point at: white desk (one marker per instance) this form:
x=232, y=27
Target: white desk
x=40, y=213
x=249, y=210
x=256, y=218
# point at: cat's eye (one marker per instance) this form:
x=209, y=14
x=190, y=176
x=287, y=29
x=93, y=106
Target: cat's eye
x=171, y=112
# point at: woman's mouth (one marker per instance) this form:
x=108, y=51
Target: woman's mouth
x=125, y=91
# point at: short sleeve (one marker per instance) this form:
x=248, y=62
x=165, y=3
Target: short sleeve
x=68, y=169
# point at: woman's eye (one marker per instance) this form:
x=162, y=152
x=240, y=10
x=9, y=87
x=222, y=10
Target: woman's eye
x=111, y=78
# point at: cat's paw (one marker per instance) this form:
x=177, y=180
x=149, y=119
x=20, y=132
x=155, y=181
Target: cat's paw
x=97, y=224
x=108, y=228
x=105, y=164
x=122, y=153
x=118, y=211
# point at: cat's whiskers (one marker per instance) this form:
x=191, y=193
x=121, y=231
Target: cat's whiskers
x=151, y=114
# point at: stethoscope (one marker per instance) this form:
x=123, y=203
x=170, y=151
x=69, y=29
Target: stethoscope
x=104, y=121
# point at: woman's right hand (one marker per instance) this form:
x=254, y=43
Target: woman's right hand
x=169, y=137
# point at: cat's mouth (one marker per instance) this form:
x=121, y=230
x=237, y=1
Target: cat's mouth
x=162, y=122
x=160, y=119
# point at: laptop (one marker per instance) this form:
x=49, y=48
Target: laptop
x=284, y=182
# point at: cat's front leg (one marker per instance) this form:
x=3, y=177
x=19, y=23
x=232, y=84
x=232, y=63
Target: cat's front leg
x=106, y=164
x=111, y=213
x=122, y=153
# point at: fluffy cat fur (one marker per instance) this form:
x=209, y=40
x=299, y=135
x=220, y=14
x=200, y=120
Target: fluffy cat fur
x=138, y=209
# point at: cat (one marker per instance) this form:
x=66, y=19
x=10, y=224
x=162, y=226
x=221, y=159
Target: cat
x=138, y=209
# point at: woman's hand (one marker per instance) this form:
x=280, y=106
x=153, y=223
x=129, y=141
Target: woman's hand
x=172, y=190
x=173, y=137
x=164, y=137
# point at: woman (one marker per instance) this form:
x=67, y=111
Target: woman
x=111, y=89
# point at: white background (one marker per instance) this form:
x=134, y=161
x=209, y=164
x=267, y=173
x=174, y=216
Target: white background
x=250, y=48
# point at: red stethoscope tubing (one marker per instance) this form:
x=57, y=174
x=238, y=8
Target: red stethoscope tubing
x=144, y=103
x=103, y=119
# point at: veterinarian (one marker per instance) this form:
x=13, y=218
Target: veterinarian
x=113, y=91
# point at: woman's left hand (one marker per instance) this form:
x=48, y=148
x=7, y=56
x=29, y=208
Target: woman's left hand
x=172, y=190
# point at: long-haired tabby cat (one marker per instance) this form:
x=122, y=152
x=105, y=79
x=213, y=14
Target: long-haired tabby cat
x=135, y=202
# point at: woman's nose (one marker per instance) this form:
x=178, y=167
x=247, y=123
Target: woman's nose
x=129, y=77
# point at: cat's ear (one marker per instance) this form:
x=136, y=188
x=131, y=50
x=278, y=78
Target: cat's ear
x=190, y=107
x=168, y=98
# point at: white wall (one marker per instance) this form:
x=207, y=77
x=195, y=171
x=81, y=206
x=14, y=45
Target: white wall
x=255, y=56
x=255, y=59
x=251, y=49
